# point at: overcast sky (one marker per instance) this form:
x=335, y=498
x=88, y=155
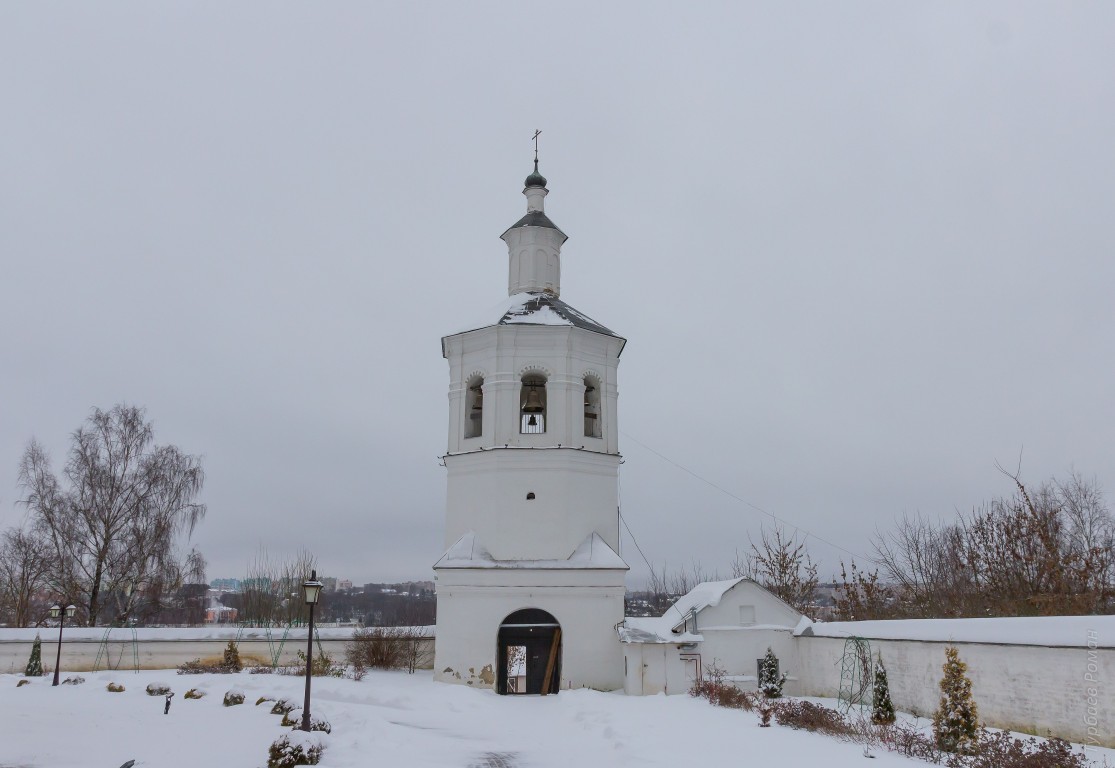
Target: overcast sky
x=861, y=252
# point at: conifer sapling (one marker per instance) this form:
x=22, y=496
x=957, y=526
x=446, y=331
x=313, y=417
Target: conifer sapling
x=955, y=723
x=231, y=660
x=770, y=681
x=35, y=663
x=882, y=708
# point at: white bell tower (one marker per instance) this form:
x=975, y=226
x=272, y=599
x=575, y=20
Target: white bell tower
x=531, y=587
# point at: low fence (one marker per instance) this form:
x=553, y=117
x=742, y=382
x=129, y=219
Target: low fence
x=86, y=648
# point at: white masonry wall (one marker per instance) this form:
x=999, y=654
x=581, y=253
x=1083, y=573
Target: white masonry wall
x=1066, y=692
x=586, y=603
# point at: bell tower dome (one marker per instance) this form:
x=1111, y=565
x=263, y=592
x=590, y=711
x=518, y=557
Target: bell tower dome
x=532, y=508
x=534, y=244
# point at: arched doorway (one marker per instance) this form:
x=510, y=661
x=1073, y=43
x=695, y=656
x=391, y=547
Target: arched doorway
x=529, y=654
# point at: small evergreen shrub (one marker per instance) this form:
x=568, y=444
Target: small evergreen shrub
x=293, y=719
x=114, y=688
x=157, y=689
x=75, y=680
x=195, y=693
x=282, y=706
x=262, y=699
x=882, y=708
x=233, y=697
x=317, y=724
x=231, y=660
x=23, y=682
x=955, y=723
x=35, y=663
x=295, y=748
x=770, y=681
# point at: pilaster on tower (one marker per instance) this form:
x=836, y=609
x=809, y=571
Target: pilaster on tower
x=534, y=244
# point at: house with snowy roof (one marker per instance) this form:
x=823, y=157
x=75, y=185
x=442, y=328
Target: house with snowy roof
x=727, y=623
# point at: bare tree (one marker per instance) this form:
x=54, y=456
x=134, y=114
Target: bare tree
x=113, y=529
x=861, y=597
x=1043, y=550
x=664, y=586
x=23, y=569
x=921, y=561
x=783, y=565
x=272, y=588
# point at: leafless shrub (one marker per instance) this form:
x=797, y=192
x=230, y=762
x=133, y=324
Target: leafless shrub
x=321, y=665
x=386, y=648
x=806, y=715
x=195, y=667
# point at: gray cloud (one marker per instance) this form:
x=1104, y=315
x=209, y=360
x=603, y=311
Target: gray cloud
x=860, y=251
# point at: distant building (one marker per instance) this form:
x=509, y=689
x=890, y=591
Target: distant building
x=330, y=583
x=217, y=613
x=225, y=585
x=344, y=585
x=262, y=584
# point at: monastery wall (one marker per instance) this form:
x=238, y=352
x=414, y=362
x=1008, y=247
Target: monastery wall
x=161, y=648
x=1062, y=691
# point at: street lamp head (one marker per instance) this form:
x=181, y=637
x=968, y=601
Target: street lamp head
x=311, y=589
x=55, y=611
x=70, y=610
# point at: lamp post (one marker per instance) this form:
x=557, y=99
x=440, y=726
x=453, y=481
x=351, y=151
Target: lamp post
x=311, y=591
x=60, y=613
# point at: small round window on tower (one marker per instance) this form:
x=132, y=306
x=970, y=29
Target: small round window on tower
x=530, y=496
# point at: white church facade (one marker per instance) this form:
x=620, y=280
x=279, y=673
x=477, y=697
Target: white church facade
x=531, y=577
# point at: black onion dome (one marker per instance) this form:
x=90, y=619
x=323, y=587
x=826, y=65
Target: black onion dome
x=536, y=179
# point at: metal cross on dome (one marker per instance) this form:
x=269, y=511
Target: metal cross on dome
x=537, y=133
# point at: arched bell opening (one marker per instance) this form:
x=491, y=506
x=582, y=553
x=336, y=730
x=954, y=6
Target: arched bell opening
x=592, y=407
x=529, y=653
x=532, y=404
x=474, y=407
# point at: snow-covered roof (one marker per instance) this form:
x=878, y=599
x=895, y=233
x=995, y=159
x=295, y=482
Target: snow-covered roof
x=536, y=219
x=700, y=597
x=652, y=629
x=661, y=629
x=536, y=309
x=1048, y=631
x=593, y=553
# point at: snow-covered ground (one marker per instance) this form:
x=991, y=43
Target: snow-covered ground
x=390, y=719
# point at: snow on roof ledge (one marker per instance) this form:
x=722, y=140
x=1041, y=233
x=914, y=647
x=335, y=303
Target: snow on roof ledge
x=1048, y=631
x=592, y=554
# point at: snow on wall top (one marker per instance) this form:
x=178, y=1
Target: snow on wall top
x=49, y=635
x=1050, y=631
x=593, y=553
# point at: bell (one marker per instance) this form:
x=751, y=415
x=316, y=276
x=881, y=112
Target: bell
x=532, y=421
x=479, y=404
x=534, y=403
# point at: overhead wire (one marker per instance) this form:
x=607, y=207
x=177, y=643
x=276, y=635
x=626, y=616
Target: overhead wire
x=730, y=495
